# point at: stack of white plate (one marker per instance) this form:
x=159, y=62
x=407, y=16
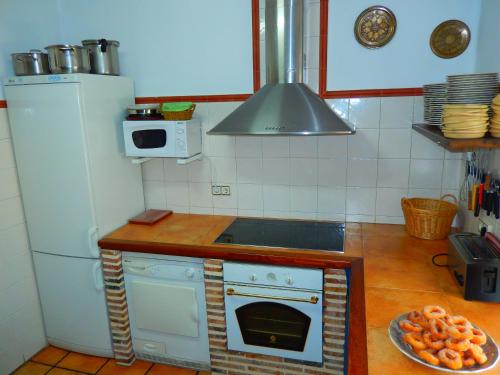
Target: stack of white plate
x=479, y=88
x=495, y=120
x=465, y=120
x=434, y=98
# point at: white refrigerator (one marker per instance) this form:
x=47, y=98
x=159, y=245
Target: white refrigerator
x=76, y=187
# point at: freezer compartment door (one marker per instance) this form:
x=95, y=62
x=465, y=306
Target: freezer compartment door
x=47, y=127
x=73, y=303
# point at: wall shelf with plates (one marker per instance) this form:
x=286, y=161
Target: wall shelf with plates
x=435, y=134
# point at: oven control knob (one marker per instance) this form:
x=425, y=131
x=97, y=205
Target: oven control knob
x=289, y=280
x=190, y=273
x=253, y=277
x=271, y=276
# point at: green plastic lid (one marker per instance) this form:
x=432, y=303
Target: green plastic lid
x=176, y=107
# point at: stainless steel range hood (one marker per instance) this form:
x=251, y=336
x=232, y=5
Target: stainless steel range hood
x=285, y=105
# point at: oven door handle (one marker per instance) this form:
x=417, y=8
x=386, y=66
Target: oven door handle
x=231, y=292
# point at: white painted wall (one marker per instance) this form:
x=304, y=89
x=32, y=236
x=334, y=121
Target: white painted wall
x=407, y=61
x=21, y=326
x=175, y=47
x=25, y=24
x=488, y=54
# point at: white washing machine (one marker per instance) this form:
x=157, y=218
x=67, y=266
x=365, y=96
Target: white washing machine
x=166, y=303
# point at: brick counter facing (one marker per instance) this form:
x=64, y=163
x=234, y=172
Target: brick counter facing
x=224, y=361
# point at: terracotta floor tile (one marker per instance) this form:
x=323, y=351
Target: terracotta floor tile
x=137, y=368
x=158, y=369
x=49, y=355
x=383, y=305
x=32, y=368
x=61, y=371
x=82, y=362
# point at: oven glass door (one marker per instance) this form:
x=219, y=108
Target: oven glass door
x=272, y=321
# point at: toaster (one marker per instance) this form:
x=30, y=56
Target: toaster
x=474, y=262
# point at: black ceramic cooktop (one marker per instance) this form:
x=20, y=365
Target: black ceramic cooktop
x=316, y=235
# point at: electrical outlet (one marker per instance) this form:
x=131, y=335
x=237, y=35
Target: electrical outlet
x=216, y=190
x=225, y=190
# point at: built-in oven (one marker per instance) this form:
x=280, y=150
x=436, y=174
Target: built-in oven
x=274, y=310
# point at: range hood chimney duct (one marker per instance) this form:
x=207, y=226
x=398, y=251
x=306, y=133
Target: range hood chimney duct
x=285, y=105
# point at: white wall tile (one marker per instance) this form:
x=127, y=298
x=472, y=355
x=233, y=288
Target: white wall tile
x=395, y=143
x=276, y=171
x=250, y=197
x=312, y=52
x=8, y=183
x=303, y=171
x=396, y=112
x=390, y=220
x=223, y=170
x=389, y=201
x=276, y=147
x=453, y=174
x=201, y=210
x=332, y=147
x=299, y=215
x=227, y=201
x=249, y=170
x=363, y=144
x=304, y=147
x=360, y=201
x=250, y=213
x=365, y=112
x=175, y=172
x=312, y=19
x=277, y=214
x=4, y=125
x=221, y=145
x=362, y=172
x=11, y=212
x=177, y=194
x=424, y=193
x=311, y=79
x=332, y=172
x=225, y=211
x=360, y=218
x=200, y=194
x=331, y=216
x=6, y=154
x=341, y=108
x=393, y=173
x=201, y=170
x=154, y=193
x=276, y=197
x=454, y=155
x=423, y=148
x=418, y=109
x=152, y=170
x=426, y=174
x=249, y=147
x=179, y=209
x=304, y=198
x=331, y=200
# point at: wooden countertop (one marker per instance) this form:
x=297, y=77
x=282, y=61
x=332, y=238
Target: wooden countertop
x=398, y=277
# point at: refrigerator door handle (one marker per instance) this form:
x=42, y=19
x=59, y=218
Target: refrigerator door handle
x=93, y=237
x=98, y=282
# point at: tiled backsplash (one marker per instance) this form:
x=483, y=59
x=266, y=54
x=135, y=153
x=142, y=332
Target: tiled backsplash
x=21, y=327
x=355, y=178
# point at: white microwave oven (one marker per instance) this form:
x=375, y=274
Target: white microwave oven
x=163, y=139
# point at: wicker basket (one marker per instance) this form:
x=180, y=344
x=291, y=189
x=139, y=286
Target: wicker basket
x=429, y=219
x=179, y=115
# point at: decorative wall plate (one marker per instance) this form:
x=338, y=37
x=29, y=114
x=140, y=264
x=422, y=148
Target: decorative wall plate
x=375, y=26
x=450, y=39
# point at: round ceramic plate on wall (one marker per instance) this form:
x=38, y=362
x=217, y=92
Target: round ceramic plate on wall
x=375, y=26
x=450, y=39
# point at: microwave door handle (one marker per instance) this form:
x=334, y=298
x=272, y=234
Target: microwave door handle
x=313, y=299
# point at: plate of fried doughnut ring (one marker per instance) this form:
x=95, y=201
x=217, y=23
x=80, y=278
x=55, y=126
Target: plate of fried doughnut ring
x=442, y=341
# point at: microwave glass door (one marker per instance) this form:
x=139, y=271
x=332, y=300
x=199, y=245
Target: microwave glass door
x=273, y=325
x=149, y=138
